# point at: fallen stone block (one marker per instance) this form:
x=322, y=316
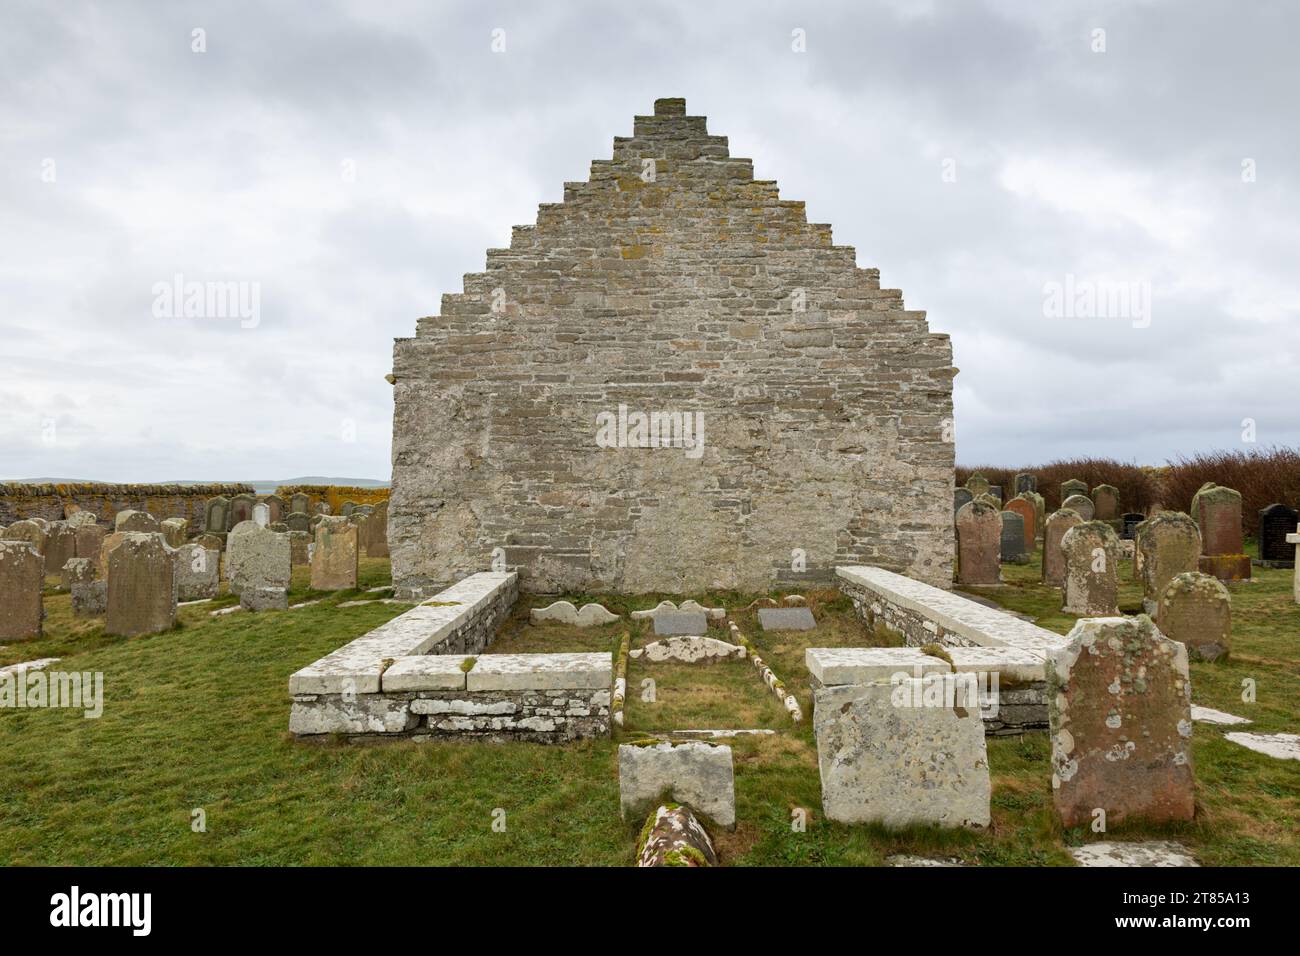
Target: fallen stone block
x=695, y=773
x=673, y=837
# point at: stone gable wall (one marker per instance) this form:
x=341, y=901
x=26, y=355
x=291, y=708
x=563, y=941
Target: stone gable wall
x=824, y=399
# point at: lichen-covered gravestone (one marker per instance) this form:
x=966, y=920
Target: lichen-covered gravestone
x=1105, y=500
x=197, y=572
x=141, y=586
x=901, y=754
x=1119, y=706
x=299, y=548
x=696, y=773
x=1029, y=515
x=140, y=522
x=1217, y=511
x=90, y=540
x=1082, y=505
x=1073, y=487
x=977, y=485
x=89, y=591
x=1091, y=586
x=174, y=531
x=1026, y=482
x=979, y=535
x=257, y=557
x=22, y=575
x=334, y=557
x=216, y=515
x=1053, y=557
x=377, y=540
x=1167, y=544
x=960, y=498
x=1196, y=610
x=29, y=531
x=60, y=545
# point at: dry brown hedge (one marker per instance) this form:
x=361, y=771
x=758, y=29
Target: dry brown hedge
x=1263, y=476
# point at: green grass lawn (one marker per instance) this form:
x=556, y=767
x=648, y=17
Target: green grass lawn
x=197, y=719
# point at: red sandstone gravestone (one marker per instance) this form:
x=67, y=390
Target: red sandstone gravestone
x=979, y=537
x=1053, y=557
x=1029, y=513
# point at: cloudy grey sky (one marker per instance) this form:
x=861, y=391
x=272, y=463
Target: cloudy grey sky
x=354, y=159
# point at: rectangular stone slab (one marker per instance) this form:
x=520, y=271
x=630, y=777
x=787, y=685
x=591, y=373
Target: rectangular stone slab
x=786, y=619
x=689, y=623
x=540, y=671
x=1011, y=664
x=866, y=665
x=426, y=672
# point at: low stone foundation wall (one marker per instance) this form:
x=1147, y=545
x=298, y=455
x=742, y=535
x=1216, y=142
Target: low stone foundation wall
x=422, y=676
x=976, y=639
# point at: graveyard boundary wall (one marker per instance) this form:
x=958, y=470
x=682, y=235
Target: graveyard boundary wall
x=104, y=500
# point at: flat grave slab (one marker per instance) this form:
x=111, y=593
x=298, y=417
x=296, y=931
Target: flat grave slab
x=786, y=619
x=685, y=623
x=1147, y=853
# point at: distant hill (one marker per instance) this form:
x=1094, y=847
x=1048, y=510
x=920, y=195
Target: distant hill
x=267, y=484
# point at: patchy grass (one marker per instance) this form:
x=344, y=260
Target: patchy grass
x=197, y=719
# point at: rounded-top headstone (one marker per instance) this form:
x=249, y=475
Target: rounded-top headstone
x=1166, y=545
x=977, y=485
x=1217, y=511
x=139, y=522
x=1196, y=610
x=1091, y=587
x=1082, y=505
x=1058, y=523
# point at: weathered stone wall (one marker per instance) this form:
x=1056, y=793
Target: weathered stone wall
x=19, y=501
x=672, y=281
x=334, y=495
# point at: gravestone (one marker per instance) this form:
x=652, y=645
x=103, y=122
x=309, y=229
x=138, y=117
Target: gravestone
x=257, y=557
x=299, y=548
x=1040, y=511
x=890, y=754
x=1105, y=500
x=321, y=508
x=348, y=508
x=141, y=586
x=136, y=522
x=977, y=485
x=1130, y=522
x=197, y=572
x=241, y=510
x=78, y=571
x=264, y=599
x=960, y=498
x=78, y=518
x=1091, y=587
x=1053, y=557
x=1196, y=610
x=1119, y=707
x=90, y=541
x=1026, y=482
x=298, y=521
x=1081, y=505
x=786, y=619
x=996, y=492
x=211, y=541
x=60, y=545
x=22, y=575
x=89, y=590
x=693, y=623
x=216, y=516
x=979, y=534
x=1275, y=523
x=175, y=531
x=1073, y=487
x=1029, y=515
x=1011, y=543
x=1167, y=544
x=377, y=542
x=106, y=547
x=28, y=531
x=277, y=508
x=299, y=502
x=262, y=514
x=1217, y=511
x=334, y=555
x=695, y=773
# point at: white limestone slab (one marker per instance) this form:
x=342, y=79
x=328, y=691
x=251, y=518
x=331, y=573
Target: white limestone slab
x=865, y=665
x=688, y=650
x=1011, y=664
x=356, y=667
x=565, y=612
x=698, y=774
x=13, y=670
x=907, y=859
x=1281, y=746
x=426, y=672
x=1208, y=715
x=541, y=671
x=1146, y=853
x=984, y=626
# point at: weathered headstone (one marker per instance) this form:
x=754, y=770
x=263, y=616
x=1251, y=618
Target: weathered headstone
x=141, y=586
x=60, y=545
x=1029, y=515
x=995, y=491
x=30, y=531
x=1011, y=543
x=213, y=542
x=106, y=547
x=902, y=754
x=216, y=519
x=1217, y=511
x=1105, y=500
x=1073, y=487
x=377, y=541
x=79, y=518
x=1091, y=587
x=1026, y=482
x=977, y=485
x=264, y=599
x=1040, y=510
x=321, y=508
x=695, y=773
x=1196, y=610
x=137, y=522
x=262, y=514
x=257, y=557
x=1130, y=522
x=979, y=533
x=78, y=571
x=90, y=541
x=1053, y=557
x=348, y=508
x=241, y=510
x=784, y=619
x=1081, y=505
x=960, y=498
x=334, y=555
x=1275, y=523
x=197, y=572
x=1119, y=705
x=298, y=521
x=1167, y=544
x=22, y=575
x=175, y=531
x=82, y=578
x=277, y=506
x=299, y=501
x=299, y=548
